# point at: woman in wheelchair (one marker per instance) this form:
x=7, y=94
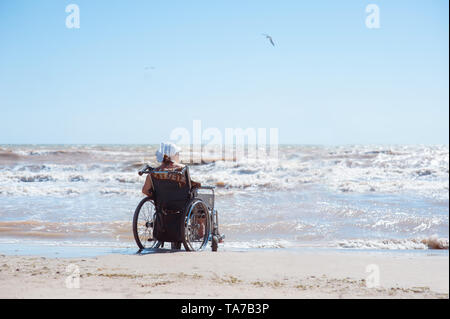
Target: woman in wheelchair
x=169, y=157
x=175, y=209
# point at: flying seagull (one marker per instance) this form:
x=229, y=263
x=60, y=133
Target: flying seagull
x=270, y=38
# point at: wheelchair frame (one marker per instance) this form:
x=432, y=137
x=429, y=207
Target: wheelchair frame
x=211, y=232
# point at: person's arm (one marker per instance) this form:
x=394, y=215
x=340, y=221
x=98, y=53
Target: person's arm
x=147, y=189
x=195, y=184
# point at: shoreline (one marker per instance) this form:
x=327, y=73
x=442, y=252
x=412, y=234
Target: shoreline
x=228, y=274
x=74, y=250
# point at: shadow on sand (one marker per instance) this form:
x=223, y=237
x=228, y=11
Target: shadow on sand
x=149, y=251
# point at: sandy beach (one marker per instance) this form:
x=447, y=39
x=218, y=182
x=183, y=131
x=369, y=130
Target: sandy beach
x=264, y=274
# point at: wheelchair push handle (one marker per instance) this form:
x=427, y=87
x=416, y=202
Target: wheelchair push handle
x=146, y=169
x=207, y=187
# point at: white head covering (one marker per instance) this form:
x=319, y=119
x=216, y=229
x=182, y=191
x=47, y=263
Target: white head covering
x=168, y=149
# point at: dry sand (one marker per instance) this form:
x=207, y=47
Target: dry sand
x=227, y=275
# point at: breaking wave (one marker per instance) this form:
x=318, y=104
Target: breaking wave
x=352, y=169
x=432, y=242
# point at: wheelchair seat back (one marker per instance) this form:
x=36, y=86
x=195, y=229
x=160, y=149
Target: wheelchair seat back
x=172, y=192
x=170, y=196
x=172, y=189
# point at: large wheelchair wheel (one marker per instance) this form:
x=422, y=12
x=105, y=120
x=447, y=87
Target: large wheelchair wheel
x=143, y=221
x=197, y=226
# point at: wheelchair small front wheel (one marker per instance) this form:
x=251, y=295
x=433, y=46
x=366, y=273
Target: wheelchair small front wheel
x=143, y=221
x=214, y=243
x=197, y=226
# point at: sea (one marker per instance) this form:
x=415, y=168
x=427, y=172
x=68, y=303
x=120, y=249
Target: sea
x=349, y=197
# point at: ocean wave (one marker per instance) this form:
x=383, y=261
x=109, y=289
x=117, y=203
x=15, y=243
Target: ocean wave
x=68, y=153
x=239, y=235
x=36, y=178
x=407, y=223
x=258, y=244
x=432, y=242
x=6, y=155
x=421, y=170
x=118, y=230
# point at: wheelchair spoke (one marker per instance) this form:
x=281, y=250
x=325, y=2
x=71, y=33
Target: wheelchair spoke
x=197, y=226
x=143, y=225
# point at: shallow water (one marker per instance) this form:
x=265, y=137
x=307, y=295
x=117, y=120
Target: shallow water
x=354, y=197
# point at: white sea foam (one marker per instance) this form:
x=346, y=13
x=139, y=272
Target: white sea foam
x=432, y=242
x=355, y=169
x=267, y=243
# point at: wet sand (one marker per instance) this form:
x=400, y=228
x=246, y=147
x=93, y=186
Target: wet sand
x=265, y=274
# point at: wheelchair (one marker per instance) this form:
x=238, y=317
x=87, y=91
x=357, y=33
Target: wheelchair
x=176, y=213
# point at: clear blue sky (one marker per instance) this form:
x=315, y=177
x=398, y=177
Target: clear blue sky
x=328, y=80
